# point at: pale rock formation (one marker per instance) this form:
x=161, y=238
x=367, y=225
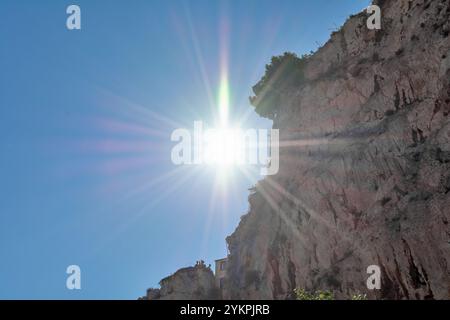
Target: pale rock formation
x=191, y=283
x=364, y=168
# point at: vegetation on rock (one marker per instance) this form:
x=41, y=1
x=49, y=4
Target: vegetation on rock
x=302, y=294
x=282, y=74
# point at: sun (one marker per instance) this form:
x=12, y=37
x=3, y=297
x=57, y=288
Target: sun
x=224, y=149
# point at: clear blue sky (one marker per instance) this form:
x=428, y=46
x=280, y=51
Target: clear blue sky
x=85, y=122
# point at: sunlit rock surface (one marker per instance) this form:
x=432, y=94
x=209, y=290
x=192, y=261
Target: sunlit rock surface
x=365, y=168
x=191, y=283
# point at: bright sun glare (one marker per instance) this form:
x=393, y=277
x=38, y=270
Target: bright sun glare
x=223, y=147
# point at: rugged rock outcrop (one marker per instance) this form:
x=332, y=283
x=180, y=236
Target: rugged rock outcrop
x=364, y=168
x=192, y=283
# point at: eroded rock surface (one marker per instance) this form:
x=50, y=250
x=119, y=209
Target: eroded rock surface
x=191, y=283
x=364, y=171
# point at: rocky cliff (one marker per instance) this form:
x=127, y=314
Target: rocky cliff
x=364, y=167
x=191, y=283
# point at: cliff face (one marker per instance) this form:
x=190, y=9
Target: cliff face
x=364, y=168
x=191, y=283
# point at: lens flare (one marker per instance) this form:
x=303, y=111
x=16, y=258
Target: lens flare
x=224, y=100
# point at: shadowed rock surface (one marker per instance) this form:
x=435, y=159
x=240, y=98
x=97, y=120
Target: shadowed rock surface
x=364, y=168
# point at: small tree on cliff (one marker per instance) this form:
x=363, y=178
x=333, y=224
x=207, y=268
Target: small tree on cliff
x=283, y=73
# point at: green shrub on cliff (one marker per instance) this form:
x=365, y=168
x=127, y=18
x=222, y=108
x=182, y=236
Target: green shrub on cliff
x=302, y=294
x=359, y=296
x=283, y=73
